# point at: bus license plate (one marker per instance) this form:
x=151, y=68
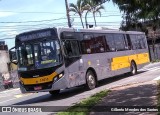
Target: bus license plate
x=37, y=88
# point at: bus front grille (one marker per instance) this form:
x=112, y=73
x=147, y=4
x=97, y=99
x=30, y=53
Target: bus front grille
x=43, y=86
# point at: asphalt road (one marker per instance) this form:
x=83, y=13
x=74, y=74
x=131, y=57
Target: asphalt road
x=71, y=96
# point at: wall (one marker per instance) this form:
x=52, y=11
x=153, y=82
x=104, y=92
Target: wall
x=4, y=59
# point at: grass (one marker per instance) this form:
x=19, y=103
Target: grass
x=158, y=97
x=154, y=61
x=84, y=107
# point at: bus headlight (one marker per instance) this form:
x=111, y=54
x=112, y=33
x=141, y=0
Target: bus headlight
x=58, y=76
x=61, y=75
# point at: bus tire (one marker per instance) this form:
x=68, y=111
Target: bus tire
x=133, y=68
x=90, y=80
x=54, y=92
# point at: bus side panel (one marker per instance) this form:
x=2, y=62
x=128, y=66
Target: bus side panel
x=114, y=63
x=75, y=73
x=142, y=57
x=100, y=63
x=121, y=60
x=62, y=83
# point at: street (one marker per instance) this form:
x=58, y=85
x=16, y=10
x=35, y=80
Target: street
x=71, y=96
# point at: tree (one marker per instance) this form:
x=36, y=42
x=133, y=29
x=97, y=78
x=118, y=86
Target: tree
x=144, y=13
x=138, y=10
x=100, y=1
x=67, y=13
x=78, y=8
x=94, y=7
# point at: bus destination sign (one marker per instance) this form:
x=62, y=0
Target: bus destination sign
x=35, y=35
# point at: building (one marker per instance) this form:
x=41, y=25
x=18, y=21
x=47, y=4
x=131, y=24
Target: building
x=4, y=68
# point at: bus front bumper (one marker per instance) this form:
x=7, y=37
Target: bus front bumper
x=60, y=84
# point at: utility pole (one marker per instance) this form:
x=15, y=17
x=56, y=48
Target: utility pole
x=67, y=13
x=86, y=19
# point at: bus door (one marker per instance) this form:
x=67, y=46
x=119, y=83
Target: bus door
x=73, y=63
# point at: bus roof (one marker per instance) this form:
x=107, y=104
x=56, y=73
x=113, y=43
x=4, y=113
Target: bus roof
x=99, y=30
x=61, y=29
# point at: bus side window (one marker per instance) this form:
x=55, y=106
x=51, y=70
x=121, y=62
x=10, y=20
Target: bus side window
x=128, y=41
x=72, y=48
x=133, y=41
x=119, y=42
x=100, y=43
x=141, y=41
x=138, y=41
x=144, y=41
x=88, y=44
x=110, y=43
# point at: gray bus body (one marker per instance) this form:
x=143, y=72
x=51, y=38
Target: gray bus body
x=105, y=53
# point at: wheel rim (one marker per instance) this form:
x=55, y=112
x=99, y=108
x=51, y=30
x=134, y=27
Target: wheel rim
x=91, y=81
x=133, y=69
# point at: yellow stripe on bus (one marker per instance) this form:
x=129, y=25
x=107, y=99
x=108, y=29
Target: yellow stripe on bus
x=38, y=80
x=125, y=61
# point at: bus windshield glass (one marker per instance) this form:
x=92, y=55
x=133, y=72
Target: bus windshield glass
x=38, y=55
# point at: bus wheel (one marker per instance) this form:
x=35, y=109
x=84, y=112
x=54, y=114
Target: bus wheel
x=133, y=68
x=54, y=92
x=90, y=80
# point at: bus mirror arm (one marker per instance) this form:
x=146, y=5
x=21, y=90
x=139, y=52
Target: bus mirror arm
x=14, y=62
x=66, y=56
x=12, y=56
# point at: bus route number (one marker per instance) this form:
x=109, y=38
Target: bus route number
x=42, y=80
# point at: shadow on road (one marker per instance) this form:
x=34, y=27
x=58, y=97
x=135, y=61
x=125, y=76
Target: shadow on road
x=138, y=96
x=69, y=92
x=47, y=97
x=117, y=78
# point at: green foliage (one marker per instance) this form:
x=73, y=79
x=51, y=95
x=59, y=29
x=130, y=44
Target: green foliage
x=78, y=8
x=158, y=96
x=94, y=7
x=85, y=105
x=136, y=10
x=154, y=61
x=88, y=6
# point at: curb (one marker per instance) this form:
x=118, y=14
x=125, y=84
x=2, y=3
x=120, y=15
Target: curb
x=9, y=90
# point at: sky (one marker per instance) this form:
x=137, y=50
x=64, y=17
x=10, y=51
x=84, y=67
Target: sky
x=18, y=16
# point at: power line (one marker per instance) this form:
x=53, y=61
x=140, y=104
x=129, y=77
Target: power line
x=78, y=23
x=36, y=21
x=44, y=12
x=97, y=16
x=55, y=19
x=6, y=38
x=26, y=27
x=31, y=25
x=35, y=12
x=33, y=28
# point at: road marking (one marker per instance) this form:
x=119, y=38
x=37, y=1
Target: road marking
x=2, y=96
x=8, y=100
x=157, y=78
x=16, y=96
x=154, y=69
x=22, y=95
x=150, y=69
x=10, y=90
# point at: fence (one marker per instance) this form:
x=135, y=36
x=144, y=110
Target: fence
x=156, y=54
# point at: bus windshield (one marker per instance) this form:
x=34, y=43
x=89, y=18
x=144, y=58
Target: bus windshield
x=38, y=55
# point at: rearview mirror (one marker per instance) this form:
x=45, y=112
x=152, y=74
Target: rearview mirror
x=13, y=56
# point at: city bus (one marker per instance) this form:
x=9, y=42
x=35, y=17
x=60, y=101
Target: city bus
x=52, y=59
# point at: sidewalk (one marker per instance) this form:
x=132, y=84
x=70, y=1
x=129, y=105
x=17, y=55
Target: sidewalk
x=9, y=90
x=141, y=94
